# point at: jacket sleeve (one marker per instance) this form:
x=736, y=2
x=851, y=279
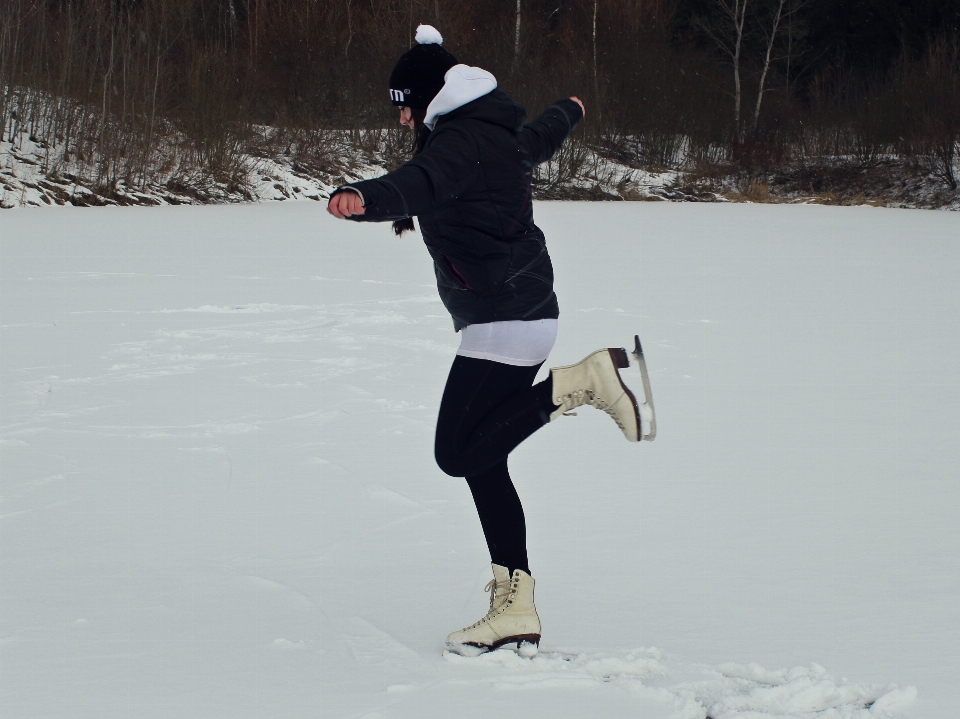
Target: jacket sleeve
x=544, y=136
x=435, y=176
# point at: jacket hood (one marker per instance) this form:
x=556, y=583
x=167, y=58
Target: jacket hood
x=462, y=86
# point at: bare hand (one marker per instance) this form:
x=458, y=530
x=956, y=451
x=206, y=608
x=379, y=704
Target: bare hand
x=580, y=103
x=345, y=204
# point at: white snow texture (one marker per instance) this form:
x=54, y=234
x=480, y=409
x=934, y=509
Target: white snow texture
x=219, y=498
x=428, y=35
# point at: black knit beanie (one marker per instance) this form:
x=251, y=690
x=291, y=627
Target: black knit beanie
x=418, y=75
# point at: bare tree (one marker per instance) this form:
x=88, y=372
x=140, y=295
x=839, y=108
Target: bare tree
x=798, y=56
x=783, y=20
x=346, y=48
x=771, y=38
x=516, y=40
x=728, y=37
x=596, y=82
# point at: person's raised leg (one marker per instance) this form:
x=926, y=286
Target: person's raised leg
x=488, y=408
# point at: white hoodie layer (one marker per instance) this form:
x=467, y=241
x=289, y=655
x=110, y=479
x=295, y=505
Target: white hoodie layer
x=461, y=84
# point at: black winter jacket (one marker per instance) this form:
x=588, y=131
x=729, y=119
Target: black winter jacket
x=470, y=189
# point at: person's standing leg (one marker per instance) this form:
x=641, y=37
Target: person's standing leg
x=487, y=409
x=501, y=516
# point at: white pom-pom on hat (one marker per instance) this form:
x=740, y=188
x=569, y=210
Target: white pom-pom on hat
x=428, y=35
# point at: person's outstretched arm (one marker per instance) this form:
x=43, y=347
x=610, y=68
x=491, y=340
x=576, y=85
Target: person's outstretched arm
x=435, y=176
x=544, y=136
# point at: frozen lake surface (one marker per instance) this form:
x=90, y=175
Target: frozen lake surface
x=219, y=497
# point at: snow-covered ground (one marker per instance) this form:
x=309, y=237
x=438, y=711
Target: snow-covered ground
x=219, y=497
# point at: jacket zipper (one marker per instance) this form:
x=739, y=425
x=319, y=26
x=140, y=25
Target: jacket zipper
x=456, y=273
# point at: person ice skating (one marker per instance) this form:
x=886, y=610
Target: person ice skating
x=469, y=185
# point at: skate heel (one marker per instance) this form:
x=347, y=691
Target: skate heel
x=525, y=638
x=619, y=357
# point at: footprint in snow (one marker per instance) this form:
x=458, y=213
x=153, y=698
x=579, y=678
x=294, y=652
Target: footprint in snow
x=729, y=691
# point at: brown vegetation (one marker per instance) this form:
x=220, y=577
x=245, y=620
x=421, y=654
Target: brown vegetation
x=169, y=91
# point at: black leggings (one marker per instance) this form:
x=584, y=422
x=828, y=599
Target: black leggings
x=488, y=408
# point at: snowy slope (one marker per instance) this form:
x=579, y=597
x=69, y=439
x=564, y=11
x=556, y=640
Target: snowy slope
x=219, y=497
x=35, y=174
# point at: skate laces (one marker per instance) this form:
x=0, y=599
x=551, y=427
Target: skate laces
x=577, y=398
x=492, y=588
x=580, y=397
x=599, y=403
x=497, y=591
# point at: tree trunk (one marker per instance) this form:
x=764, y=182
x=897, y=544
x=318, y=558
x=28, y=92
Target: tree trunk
x=596, y=81
x=739, y=17
x=346, y=48
x=103, y=108
x=516, y=40
x=728, y=37
x=766, y=64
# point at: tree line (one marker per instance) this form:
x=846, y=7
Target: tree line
x=666, y=82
